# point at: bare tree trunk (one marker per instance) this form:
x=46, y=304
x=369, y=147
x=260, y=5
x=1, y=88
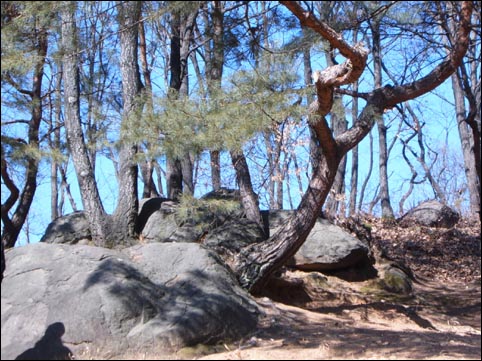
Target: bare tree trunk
x=147, y=171
x=468, y=147
x=125, y=215
x=369, y=173
x=354, y=159
x=215, y=169
x=180, y=171
x=89, y=192
x=147, y=165
x=12, y=226
x=439, y=193
x=336, y=197
x=214, y=74
x=249, y=199
x=468, y=84
x=387, y=210
x=66, y=189
x=55, y=144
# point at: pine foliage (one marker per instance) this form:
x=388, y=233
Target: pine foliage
x=249, y=103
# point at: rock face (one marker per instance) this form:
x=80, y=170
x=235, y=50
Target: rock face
x=162, y=226
x=70, y=229
x=431, y=214
x=168, y=295
x=229, y=238
x=167, y=221
x=327, y=247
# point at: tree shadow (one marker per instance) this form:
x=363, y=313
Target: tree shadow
x=344, y=337
x=409, y=312
x=49, y=347
x=196, y=303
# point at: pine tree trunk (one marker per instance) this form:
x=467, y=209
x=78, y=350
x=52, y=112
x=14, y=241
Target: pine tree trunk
x=214, y=74
x=255, y=264
x=215, y=169
x=249, y=199
x=180, y=169
x=96, y=216
x=125, y=215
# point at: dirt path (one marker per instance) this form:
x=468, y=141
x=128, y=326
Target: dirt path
x=441, y=321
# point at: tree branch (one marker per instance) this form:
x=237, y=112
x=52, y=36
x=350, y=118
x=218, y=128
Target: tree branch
x=437, y=76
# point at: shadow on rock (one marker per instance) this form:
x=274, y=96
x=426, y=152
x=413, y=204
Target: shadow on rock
x=49, y=347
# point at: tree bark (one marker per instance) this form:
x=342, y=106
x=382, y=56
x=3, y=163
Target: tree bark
x=468, y=148
x=146, y=166
x=354, y=160
x=249, y=199
x=125, y=215
x=173, y=165
x=180, y=170
x=214, y=74
x=387, y=210
x=89, y=192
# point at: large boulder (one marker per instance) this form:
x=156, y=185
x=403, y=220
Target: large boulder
x=148, y=206
x=163, y=225
x=155, y=295
x=431, y=214
x=70, y=229
x=228, y=239
x=327, y=248
x=188, y=221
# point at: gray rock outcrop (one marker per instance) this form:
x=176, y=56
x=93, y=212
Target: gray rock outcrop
x=169, y=221
x=327, y=247
x=69, y=229
x=431, y=214
x=229, y=238
x=168, y=295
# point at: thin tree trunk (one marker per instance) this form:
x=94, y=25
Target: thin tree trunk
x=467, y=142
x=439, y=193
x=146, y=166
x=215, y=169
x=369, y=173
x=173, y=165
x=180, y=171
x=336, y=195
x=387, y=210
x=354, y=160
x=249, y=199
x=214, y=74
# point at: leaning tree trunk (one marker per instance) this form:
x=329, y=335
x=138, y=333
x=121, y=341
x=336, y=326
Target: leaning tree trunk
x=256, y=263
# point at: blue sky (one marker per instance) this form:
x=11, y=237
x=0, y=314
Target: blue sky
x=441, y=130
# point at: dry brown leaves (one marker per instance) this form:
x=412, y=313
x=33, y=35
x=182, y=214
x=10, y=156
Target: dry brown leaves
x=435, y=253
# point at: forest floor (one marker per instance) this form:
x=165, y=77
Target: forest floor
x=325, y=317
x=439, y=320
